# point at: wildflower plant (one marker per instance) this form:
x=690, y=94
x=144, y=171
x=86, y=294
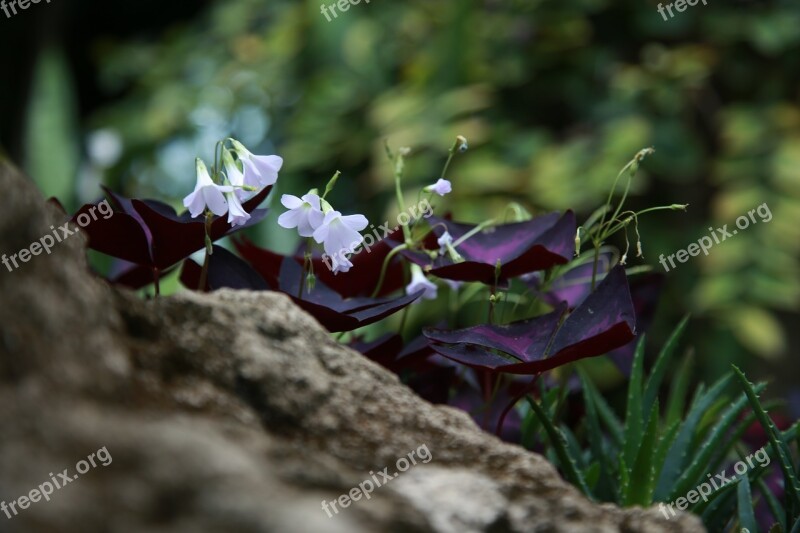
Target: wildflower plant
x=550, y=294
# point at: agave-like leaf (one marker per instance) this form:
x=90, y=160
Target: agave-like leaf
x=603, y=322
x=519, y=248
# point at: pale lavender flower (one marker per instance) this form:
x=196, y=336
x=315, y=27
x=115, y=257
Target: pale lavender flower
x=259, y=170
x=206, y=194
x=418, y=282
x=441, y=187
x=237, y=216
x=235, y=177
x=339, y=234
x=304, y=213
x=444, y=241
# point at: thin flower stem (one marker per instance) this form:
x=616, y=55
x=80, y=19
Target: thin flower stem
x=209, y=251
x=399, y=166
x=306, y=266
x=449, y=160
x=474, y=231
x=595, y=262
x=385, y=267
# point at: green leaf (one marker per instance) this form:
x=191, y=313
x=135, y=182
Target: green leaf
x=643, y=481
x=663, y=446
x=606, y=414
x=678, y=392
x=747, y=518
x=719, y=509
x=774, y=505
x=592, y=475
x=51, y=132
x=573, y=447
x=634, y=424
x=559, y=445
x=779, y=448
x=624, y=479
x=662, y=363
x=677, y=456
x=699, y=466
x=595, y=435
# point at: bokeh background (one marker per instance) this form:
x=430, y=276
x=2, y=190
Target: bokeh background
x=555, y=96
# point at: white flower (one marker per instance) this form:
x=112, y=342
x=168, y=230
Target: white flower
x=441, y=187
x=339, y=234
x=206, y=194
x=259, y=170
x=237, y=216
x=341, y=264
x=444, y=241
x=419, y=281
x=235, y=177
x=304, y=214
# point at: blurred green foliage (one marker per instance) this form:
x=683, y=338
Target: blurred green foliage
x=554, y=96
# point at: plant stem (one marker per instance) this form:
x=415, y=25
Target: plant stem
x=209, y=251
x=385, y=267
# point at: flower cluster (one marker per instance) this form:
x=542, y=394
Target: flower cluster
x=552, y=308
x=314, y=217
x=212, y=196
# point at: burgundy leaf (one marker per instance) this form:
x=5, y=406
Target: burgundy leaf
x=604, y=321
x=361, y=280
x=520, y=247
x=151, y=234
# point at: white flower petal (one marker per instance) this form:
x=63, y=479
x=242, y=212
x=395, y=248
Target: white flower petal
x=291, y=202
x=313, y=199
x=356, y=222
x=215, y=200
x=290, y=219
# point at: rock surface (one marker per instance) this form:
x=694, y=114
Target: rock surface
x=234, y=412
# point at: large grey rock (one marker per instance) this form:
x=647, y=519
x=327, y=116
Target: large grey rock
x=234, y=412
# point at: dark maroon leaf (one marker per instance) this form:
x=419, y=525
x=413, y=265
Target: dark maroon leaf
x=361, y=280
x=604, y=321
x=520, y=247
x=645, y=293
x=573, y=286
x=330, y=308
x=487, y=413
x=382, y=350
x=151, y=234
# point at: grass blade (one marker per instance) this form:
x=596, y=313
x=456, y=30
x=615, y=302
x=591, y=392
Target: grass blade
x=634, y=425
x=678, y=391
x=642, y=482
x=559, y=446
x=595, y=437
x=747, y=518
x=774, y=505
x=779, y=448
x=700, y=464
x=661, y=365
x=678, y=452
